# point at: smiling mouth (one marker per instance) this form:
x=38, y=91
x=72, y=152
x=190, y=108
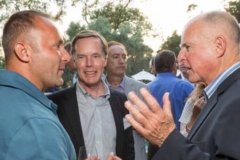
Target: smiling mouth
x=90, y=72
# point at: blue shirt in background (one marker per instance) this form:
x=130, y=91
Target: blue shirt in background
x=179, y=90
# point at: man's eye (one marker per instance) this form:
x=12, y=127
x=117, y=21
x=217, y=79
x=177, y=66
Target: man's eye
x=58, y=46
x=96, y=56
x=80, y=57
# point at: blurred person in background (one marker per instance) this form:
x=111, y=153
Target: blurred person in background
x=116, y=79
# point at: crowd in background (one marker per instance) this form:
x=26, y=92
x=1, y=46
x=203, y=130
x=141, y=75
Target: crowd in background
x=190, y=116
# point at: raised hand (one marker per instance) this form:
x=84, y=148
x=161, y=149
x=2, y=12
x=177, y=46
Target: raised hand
x=151, y=121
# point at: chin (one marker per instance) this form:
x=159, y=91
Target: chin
x=60, y=83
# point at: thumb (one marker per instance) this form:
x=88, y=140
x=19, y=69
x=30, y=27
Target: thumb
x=167, y=105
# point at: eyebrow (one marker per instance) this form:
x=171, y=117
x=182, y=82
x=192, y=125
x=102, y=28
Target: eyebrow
x=185, y=44
x=60, y=41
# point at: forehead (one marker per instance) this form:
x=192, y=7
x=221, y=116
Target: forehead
x=43, y=22
x=117, y=49
x=193, y=33
x=88, y=45
x=47, y=28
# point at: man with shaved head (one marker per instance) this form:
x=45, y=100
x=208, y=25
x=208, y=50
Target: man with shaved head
x=29, y=126
x=210, y=52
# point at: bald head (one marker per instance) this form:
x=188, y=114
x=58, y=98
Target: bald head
x=220, y=22
x=209, y=45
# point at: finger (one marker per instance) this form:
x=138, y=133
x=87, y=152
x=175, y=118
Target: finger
x=167, y=105
x=134, y=111
x=110, y=156
x=117, y=158
x=142, y=107
x=151, y=101
x=137, y=126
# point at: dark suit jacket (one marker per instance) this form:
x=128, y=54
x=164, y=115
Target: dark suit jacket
x=69, y=117
x=216, y=132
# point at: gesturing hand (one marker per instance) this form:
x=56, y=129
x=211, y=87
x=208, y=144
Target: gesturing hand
x=153, y=122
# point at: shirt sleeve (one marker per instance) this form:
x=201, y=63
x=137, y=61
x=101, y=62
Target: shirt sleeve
x=40, y=138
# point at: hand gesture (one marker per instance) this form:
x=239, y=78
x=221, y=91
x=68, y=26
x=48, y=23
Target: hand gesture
x=153, y=122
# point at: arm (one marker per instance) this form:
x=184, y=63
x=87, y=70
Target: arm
x=40, y=138
x=156, y=125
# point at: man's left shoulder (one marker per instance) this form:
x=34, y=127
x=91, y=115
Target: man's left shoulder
x=135, y=82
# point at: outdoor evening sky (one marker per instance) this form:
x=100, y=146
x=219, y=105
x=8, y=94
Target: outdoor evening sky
x=165, y=15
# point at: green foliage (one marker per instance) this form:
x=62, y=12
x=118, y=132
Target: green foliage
x=172, y=43
x=191, y=7
x=8, y=7
x=130, y=36
x=233, y=8
x=120, y=23
x=68, y=77
x=2, y=62
x=72, y=30
x=120, y=14
x=127, y=26
x=103, y=26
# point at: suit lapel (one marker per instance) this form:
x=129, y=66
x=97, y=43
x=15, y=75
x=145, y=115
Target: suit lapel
x=127, y=85
x=72, y=112
x=118, y=120
x=212, y=102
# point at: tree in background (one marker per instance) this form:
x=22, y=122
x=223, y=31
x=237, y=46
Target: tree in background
x=8, y=7
x=117, y=21
x=233, y=7
x=72, y=30
x=172, y=43
x=2, y=62
x=139, y=54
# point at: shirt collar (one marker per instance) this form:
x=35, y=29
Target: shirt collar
x=15, y=80
x=165, y=74
x=211, y=88
x=107, y=91
x=121, y=86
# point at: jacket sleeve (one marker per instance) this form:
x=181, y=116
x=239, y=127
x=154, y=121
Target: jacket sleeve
x=130, y=140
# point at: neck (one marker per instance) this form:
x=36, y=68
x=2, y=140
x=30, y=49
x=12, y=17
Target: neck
x=95, y=90
x=114, y=81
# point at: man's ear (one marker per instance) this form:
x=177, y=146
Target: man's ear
x=220, y=43
x=21, y=52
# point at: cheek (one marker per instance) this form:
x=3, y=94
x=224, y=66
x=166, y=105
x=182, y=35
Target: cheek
x=79, y=65
x=105, y=63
